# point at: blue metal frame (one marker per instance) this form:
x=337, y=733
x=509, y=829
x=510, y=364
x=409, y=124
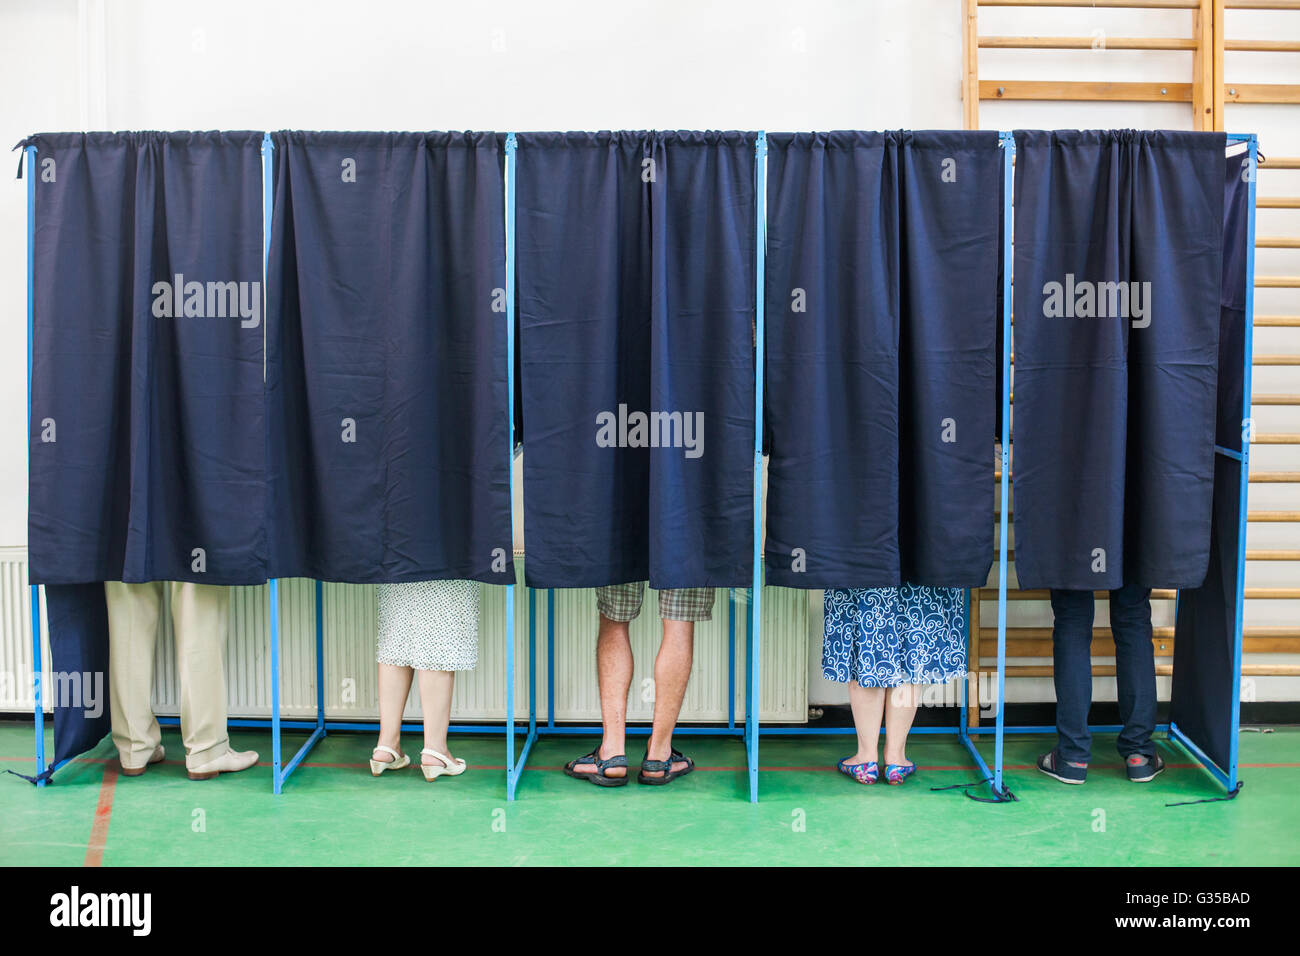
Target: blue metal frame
x=515, y=767
x=1227, y=777
x=749, y=731
x=752, y=684
x=962, y=731
x=274, y=723
x=1247, y=437
x=1008, y=142
x=993, y=776
x=278, y=775
x=321, y=726
x=35, y=589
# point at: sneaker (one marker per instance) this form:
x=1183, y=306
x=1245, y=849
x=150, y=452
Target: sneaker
x=1063, y=770
x=1142, y=768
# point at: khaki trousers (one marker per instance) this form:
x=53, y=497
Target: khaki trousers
x=200, y=618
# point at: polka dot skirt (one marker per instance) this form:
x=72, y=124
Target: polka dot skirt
x=429, y=625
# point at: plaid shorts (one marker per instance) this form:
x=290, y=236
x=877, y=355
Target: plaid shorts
x=622, y=602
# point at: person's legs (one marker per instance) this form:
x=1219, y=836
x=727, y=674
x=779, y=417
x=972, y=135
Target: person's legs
x=435, y=702
x=618, y=605
x=900, y=710
x=1135, y=669
x=200, y=620
x=394, y=688
x=132, y=634
x=614, y=665
x=1072, y=672
x=679, y=608
x=868, y=706
x=672, y=671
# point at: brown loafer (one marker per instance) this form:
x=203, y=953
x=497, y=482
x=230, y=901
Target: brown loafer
x=155, y=757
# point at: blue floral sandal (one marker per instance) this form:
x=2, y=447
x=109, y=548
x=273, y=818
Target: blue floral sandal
x=861, y=772
x=896, y=773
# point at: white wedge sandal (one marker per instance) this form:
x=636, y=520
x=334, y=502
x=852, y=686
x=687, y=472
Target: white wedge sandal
x=450, y=768
x=379, y=766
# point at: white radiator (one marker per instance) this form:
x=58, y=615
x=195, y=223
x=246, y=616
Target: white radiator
x=16, y=693
x=480, y=694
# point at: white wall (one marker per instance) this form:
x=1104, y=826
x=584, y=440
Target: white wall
x=582, y=64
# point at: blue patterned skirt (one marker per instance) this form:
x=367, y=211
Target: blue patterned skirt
x=884, y=637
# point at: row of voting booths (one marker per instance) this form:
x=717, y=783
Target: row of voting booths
x=256, y=356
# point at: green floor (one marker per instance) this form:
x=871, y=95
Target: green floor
x=334, y=812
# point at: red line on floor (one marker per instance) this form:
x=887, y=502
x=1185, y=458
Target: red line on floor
x=954, y=768
x=828, y=768
x=103, y=814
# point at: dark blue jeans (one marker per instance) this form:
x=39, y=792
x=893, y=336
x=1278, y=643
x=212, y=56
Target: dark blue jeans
x=1135, y=670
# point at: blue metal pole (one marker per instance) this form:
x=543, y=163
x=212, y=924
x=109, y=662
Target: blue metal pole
x=798, y=730
x=532, y=662
x=1227, y=780
x=1008, y=185
x=963, y=722
x=511, y=145
x=1228, y=776
x=38, y=702
x=369, y=726
x=273, y=600
x=273, y=586
x=320, y=656
x=1247, y=358
x=731, y=658
x=35, y=589
x=268, y=204
x=550, y=657
x=753, y=711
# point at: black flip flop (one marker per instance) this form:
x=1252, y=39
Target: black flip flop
x=664, y=766
x=600, y=778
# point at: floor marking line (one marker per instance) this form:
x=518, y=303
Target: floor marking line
x=348, y=765
x=103, y=814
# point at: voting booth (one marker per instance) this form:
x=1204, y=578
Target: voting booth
x=256, y=356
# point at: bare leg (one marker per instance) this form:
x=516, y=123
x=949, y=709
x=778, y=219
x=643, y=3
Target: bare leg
x=614, y=671
x=394, y=687
x=435, y=702
x=899, y=714
x=672, y=671
x=868, y=705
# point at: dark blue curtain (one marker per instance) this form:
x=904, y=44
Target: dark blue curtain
x=881, y=321
x=1118, y=264
x=387, y=358
x=148, y=430
x=77, y=619
x=147, y=452
x=636, y=298
x=1200, y=700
